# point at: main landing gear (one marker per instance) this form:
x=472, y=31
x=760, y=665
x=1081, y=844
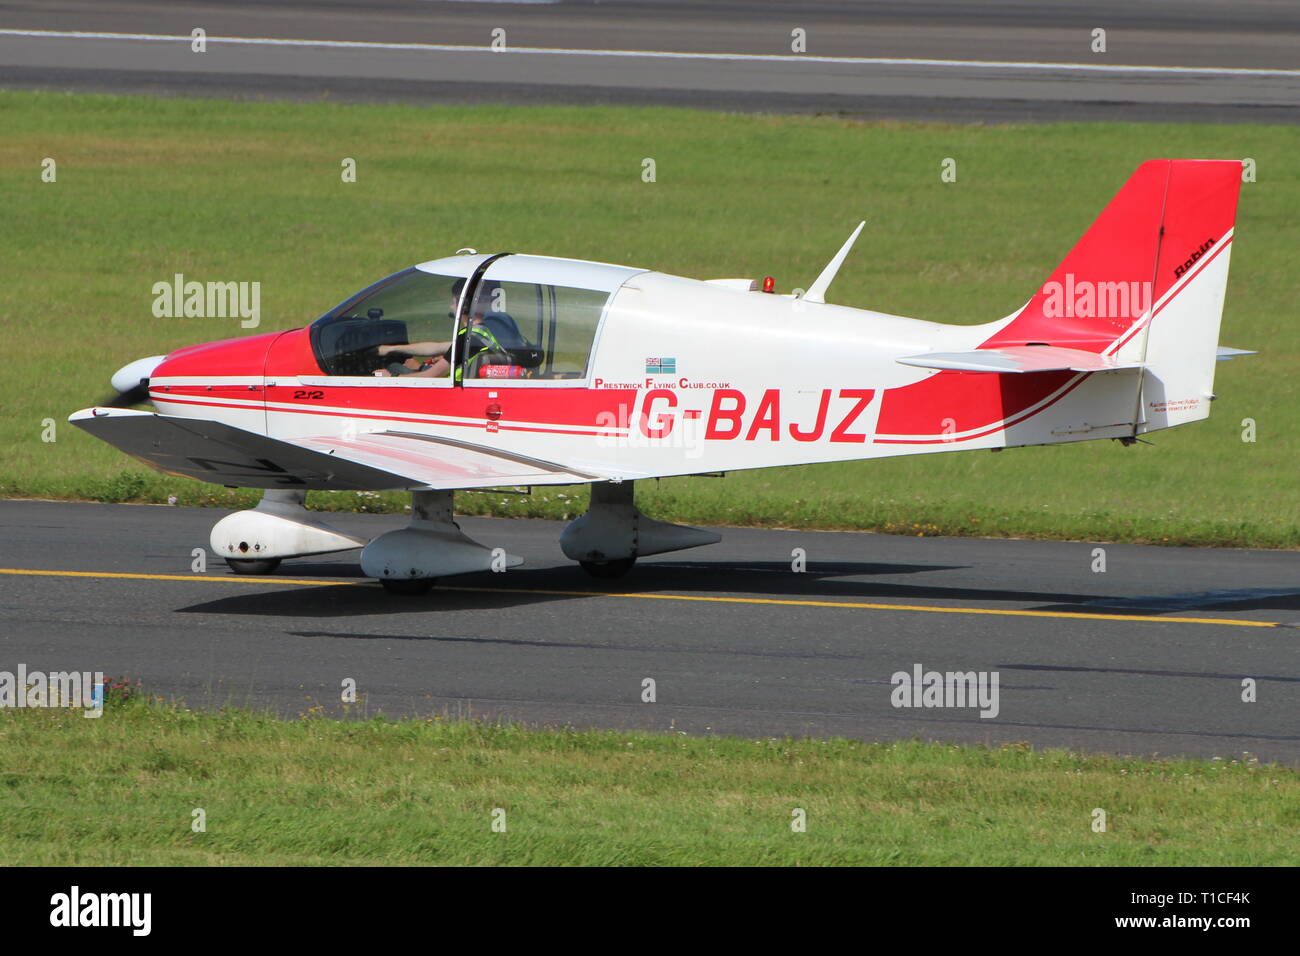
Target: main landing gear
x=608, y=569
x=605, y=541
x=410, y=560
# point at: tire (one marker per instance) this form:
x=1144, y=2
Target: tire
x=408, y=586
x=608, y=569
x=253, y=565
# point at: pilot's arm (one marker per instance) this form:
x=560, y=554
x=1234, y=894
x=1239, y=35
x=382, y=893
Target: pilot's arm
x=435, y=368
x=416, y=348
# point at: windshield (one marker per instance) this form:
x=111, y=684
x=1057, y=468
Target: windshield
x=409, y=307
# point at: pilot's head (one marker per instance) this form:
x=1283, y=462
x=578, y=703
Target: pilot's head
x=486, y=299
x=456, y=288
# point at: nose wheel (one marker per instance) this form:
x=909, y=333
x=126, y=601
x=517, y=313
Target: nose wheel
x=253, y=565
x=409, y=586
x=255, y=541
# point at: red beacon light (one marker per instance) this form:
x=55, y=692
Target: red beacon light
x=769, y=284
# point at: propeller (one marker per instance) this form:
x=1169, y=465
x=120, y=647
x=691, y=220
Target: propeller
x=131, y=383
x=137, y=395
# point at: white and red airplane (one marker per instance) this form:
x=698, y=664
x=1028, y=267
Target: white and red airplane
x=479, y=371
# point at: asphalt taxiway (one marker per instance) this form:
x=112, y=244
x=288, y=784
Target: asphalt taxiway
x=1148, y=657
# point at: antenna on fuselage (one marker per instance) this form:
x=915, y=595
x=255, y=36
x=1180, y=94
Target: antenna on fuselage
x=817, y=291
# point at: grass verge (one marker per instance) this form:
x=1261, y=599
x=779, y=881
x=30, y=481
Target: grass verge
x=122, y=790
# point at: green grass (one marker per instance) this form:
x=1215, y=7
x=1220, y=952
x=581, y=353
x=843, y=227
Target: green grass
x=251, y=191
x=121, y=790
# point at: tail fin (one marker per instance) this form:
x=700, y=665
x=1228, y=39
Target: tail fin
x=1146, y=284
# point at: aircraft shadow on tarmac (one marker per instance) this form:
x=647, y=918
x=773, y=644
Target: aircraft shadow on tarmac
x=823, y=581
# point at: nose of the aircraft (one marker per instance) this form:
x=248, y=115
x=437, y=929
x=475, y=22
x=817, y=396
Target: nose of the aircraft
x=129, y=375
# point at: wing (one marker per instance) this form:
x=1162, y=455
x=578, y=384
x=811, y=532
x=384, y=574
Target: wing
x=1021, y=358
x=225, y=455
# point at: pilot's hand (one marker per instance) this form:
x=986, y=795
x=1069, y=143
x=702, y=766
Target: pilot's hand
x=381, y=373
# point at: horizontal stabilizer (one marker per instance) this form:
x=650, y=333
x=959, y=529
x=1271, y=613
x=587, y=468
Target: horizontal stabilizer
x=1226, y=354
x=1018, y=359
x=226, y=455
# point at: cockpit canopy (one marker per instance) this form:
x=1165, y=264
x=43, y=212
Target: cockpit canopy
x=521, y=316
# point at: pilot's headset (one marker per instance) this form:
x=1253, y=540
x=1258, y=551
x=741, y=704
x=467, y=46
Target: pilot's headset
x=486, y=297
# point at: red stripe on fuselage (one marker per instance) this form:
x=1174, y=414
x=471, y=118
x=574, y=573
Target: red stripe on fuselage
x=378, y=415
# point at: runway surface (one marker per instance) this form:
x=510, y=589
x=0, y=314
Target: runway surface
x=1194, y=60
x=1148, y=657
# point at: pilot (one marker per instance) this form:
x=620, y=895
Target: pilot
x=475, y=339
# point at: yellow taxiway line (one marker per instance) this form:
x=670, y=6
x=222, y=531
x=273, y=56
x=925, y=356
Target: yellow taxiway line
x=784, y=602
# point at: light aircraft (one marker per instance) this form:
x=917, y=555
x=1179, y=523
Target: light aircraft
x=482, y=371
